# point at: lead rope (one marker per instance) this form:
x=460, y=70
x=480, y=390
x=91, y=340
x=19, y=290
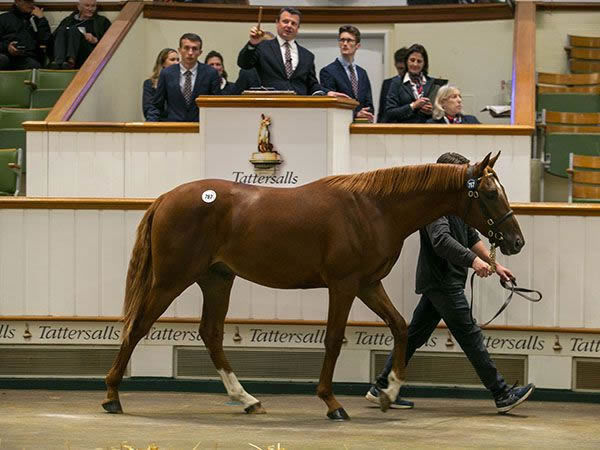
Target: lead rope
x=512, y=287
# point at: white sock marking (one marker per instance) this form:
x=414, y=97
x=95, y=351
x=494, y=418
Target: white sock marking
x=394, y=384
x=235, y=389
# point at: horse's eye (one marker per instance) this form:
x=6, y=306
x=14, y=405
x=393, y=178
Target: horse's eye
x=492, y=195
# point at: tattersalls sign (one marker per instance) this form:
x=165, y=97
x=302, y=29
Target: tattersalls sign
x=292, y=336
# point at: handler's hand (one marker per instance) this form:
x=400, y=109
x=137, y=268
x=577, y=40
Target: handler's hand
x=481, y=268
x=504, y=273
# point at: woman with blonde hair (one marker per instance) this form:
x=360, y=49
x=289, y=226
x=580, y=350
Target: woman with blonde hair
x=166, y=57
x=447, y=108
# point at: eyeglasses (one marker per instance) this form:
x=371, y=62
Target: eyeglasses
x=346, y=40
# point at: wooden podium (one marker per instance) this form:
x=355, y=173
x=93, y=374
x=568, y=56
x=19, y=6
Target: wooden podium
x=309, y=137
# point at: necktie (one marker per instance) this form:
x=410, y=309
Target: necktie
x=288, y=60
x=353, y=80
x=187, y=87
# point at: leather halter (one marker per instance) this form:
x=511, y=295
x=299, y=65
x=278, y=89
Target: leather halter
x=494, y=235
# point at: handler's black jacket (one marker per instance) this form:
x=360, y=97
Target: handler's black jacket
x=16, y=26
x=445, y=255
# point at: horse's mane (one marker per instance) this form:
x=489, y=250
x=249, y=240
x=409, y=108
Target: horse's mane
x=403, y=180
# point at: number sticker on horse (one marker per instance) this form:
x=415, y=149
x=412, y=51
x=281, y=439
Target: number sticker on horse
x=209, y=196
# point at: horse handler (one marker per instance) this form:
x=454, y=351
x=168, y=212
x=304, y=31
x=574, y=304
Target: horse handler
x=448, y=248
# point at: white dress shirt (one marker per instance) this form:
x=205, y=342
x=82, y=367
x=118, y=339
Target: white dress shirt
x=293, y=51
x=414, y=86
x=183, y=70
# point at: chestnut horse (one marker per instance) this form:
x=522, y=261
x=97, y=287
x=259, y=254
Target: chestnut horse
x=342, y=232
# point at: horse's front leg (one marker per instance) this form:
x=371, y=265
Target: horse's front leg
x=216, y=290
x=341, y=296
x=375, y=297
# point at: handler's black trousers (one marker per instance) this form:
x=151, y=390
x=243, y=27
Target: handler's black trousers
x=452, y=306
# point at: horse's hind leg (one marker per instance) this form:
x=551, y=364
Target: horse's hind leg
x=340, y=302
x=159, y=299
x=216, y=290
x=375, y=297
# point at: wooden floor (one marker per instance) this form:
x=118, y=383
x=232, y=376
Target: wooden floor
x=35, y=419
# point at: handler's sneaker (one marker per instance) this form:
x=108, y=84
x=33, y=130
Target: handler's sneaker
x=513, y=397
x=373, y=397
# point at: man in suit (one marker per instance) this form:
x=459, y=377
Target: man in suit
x=281, y=63
x=343, y=75
x=385, y=87
x=180, y=84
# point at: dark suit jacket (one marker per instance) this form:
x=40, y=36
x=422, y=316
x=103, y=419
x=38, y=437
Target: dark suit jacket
x=335, y=78
x=247, y=79
x=400, y=96
x=147, y=96
x=385, y=89
x=266, y=58
x=169, y=98
x=466, y=119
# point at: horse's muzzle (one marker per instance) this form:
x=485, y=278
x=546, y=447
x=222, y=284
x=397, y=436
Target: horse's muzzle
x=512, y=248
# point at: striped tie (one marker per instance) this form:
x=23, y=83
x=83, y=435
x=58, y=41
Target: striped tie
x=353, y=80
x=288, y=60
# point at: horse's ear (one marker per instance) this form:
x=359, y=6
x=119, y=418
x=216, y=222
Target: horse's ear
x=494, y=159
x=480, y=166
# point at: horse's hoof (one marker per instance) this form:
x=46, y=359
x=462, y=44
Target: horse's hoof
x=384, y=401
x=338, y=414
x=255, y=409
x=112, y=406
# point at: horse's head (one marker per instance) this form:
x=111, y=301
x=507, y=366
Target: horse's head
x=488, y=209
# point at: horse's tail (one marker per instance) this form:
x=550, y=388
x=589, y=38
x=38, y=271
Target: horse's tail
x=139, y=274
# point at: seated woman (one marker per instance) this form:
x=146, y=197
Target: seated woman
x=165, y=58
x=447, y=108
x=407, y=100
x=215, y=59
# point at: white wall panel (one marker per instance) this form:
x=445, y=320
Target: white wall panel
x=61, y=238
x=85, y=164
x=114, y=255
x=88, y=275
x=34, y=235
x=12, y=259
x=571, y=268
x=372, y=151
x=37, y=164
x=545, y=255
x=591, y=278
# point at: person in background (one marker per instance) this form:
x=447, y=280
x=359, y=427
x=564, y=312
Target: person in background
x=399, y=57
x=180, y=84
x=448, y=108
x=344, y=75
x=215, y=60
x=77, y=35
x=23, y=31
x=407, y=100
x=165, y=58
x=449, y=247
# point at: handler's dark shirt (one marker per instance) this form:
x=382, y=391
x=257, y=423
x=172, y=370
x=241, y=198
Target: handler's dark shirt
x=445, y=255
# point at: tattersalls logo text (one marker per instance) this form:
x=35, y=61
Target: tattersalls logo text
x=265, y=161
